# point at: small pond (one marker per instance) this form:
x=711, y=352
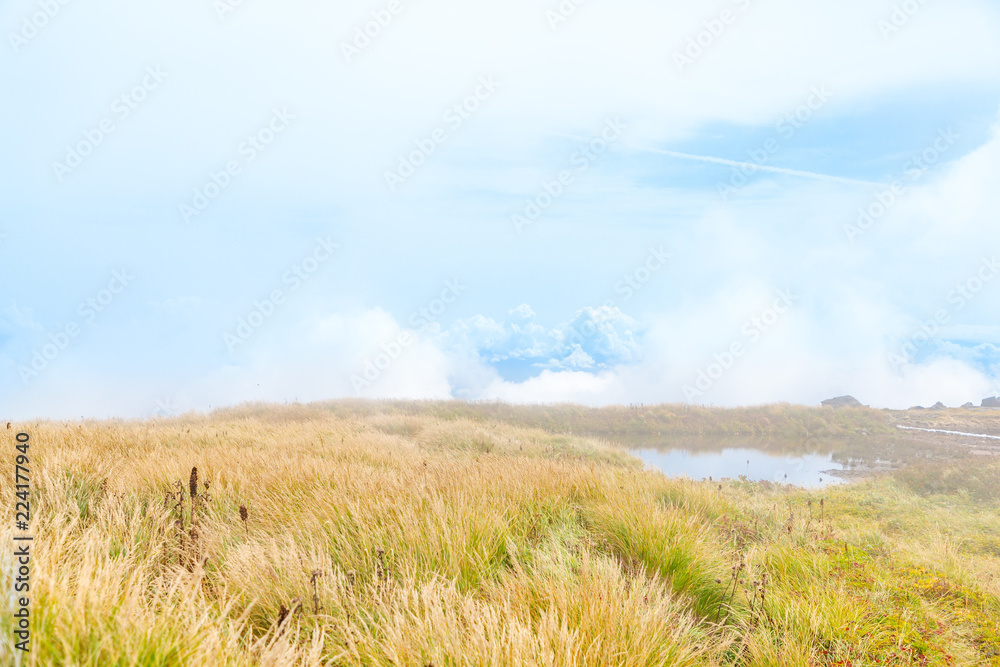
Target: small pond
x=805, y=470
x=810, y=462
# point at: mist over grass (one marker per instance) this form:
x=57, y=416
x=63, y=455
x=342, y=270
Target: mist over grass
x=773, y=420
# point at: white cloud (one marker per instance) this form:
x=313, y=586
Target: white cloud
x=354, y=120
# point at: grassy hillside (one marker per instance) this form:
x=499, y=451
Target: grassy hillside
x=773, y=420
x=966, y=421
x=404, y=536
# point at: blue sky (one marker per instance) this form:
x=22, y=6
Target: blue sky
x=627, y=278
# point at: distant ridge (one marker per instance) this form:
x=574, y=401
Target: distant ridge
x=842, y=402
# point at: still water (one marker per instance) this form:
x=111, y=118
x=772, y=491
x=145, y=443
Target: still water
x=805, y=470
x=809, y=461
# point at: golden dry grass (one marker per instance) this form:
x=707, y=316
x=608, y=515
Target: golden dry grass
x=410, y=539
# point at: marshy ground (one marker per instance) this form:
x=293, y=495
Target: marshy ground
x=453, y=534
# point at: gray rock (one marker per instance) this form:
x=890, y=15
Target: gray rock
x=991, y=402
x=842, y=402
x=939, y=406
x=968, y=406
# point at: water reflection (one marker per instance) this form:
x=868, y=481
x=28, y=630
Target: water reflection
x=804, y=460
x=809, y=470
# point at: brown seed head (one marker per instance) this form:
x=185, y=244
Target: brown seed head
x=243, y=513
x=193, y=482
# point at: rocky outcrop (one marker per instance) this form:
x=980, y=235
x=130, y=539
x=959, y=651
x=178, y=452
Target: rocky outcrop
x=939, y=406
x=968, y=406
x=842, y=402
x=991, y=402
